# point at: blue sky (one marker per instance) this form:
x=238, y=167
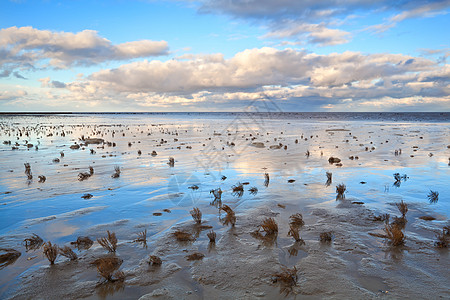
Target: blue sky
x=220, y=55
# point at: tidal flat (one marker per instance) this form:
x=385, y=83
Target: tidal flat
x=225, y=206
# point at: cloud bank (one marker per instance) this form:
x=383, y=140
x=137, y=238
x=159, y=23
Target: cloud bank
x=28, y=48
x=289, y=76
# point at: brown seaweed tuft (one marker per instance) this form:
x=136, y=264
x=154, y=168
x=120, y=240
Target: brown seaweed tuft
x=8, y=257
x=382, y=218
x=394, y=234
x=195, y=256
x=253, y=190
x=109, y=242
x=51, y=252
x=296, y=220
x=154, y=260
x=68, y=252
x=33, y=243
x=266, y=179
x=269, y=226
x=212, y=236
x=287, y=276
x=442, y=238
x=402, y=208
x=329, y=178
x=142, y=237
x=196, y=215
x=238, y=189
x=116, y=173
x=326, y=237
x=107, y=267
x=217, y=193
x=230, y=218
x=183, y=236
x=294, y=231
x=433, y=196
x=340, y=190
x=83, y=242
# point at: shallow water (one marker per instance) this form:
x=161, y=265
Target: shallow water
x=205, y=148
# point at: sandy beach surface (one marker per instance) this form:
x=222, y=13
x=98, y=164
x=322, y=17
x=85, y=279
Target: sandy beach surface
x=226, y=151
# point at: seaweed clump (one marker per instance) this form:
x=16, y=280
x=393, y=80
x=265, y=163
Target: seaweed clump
x=329, y=178
x=443, y=238
x=195, y=256
x=8, y=257
x=83, y=242
x=183, y=236
x=154, y=260
x=32, y=243
x=395, y=234
x=340, y=190
x=326, y=237
x=212, y=236
x=196, y=215
x=109, y=242
x=107, y=267
x=287, y=277
x=238, y=189
x=67, y=252
x=266, y=179
x=230, y=218
x=51, y=252
x=433, y=196
x=116, y=173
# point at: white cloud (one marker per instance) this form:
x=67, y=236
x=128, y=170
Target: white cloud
x=313, y=33
x=12, y=95
x=287, y=76
x=28, y=48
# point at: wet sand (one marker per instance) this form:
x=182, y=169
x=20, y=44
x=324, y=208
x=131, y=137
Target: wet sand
x=354, y=264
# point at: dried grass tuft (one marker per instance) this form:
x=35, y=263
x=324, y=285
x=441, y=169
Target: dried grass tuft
x=33, y=243
x=68, y=252
x=51, y=252
x=183, y=236
x=109, y=242
x=196, y=215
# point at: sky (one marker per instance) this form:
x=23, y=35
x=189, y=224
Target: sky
x=224, y=55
